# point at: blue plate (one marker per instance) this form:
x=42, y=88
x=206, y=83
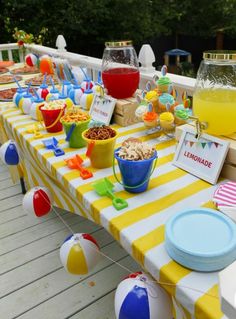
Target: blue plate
x=201, y=239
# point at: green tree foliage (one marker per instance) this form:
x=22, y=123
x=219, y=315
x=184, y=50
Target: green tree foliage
x=87, y=23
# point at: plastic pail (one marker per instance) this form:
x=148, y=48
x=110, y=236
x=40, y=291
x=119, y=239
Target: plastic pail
x=135, y=174
x=51, y=119
x=76, y=140
x=100, y=152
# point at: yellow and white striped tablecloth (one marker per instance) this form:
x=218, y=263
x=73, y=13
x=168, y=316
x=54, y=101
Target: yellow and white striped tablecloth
x=139, y=227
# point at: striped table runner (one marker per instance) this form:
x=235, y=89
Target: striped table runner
x=139, y=227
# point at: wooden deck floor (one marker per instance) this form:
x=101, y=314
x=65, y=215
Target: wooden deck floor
x=33, y=283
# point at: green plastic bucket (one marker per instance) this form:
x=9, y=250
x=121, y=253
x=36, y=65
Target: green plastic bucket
x=76, y=140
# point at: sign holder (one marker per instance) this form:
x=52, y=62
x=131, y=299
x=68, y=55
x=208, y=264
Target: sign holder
x=102, y=108
x=202, y=155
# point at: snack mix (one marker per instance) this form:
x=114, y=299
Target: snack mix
x=136, y=150
x=75, y=117
x=100, y=133
x=54, y=105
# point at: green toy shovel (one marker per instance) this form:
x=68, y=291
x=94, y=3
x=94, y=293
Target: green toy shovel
x=105, y=188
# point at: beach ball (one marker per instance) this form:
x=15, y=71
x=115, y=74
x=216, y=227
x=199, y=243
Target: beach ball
x=79, y=253
x=52, y=97
x=45, y=64
x=43, y=91
x=25, y=102
x=18, y=95
x=86, y=99
x=9, y=153
x=31, y=59
x=137, y=296
x=75, y=94
x=87, y=84
x=67, y=87
x=38, y=200
x=35, y=112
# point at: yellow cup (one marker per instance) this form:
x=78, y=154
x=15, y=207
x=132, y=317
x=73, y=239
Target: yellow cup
x=100, y=152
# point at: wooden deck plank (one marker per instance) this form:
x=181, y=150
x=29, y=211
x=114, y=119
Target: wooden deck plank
x=4, y=175
x=34, y=233
x=14, y=226
x=8, y=203
x=12, y=260
x=32, y=279
x=103, y=308
x=40, y=267
x=10, y=191
x=6, y=183
x=12, y=214
x=59, y=282
x=3, y=168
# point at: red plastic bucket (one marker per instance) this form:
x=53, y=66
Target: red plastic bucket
x=52, y=118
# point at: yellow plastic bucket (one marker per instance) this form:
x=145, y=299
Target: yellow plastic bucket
x=100, y=152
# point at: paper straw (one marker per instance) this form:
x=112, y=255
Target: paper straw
x=18, y=84
x=85, y=75
x=29, y=85
x=52, y=82
x=36, y=93
x=44, y=79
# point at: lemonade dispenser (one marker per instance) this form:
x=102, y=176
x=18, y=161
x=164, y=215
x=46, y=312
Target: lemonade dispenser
x=214, y=99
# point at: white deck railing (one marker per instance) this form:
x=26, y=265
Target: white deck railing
x=146, y=58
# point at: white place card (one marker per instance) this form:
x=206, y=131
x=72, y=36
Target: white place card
x=203, y=157
x=102, y=108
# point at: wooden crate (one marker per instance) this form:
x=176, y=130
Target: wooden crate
x=124, y=112
x=229, y=167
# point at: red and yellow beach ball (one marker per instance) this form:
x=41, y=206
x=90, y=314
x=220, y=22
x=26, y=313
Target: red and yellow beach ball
x=79, y=253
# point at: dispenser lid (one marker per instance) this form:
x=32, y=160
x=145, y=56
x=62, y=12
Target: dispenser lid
x=220, y=55
x=115, y=44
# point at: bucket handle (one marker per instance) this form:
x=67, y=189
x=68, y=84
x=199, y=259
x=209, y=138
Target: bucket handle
x=139, y=185
x=35, y=130
x=90, y=148
x=56, y=120
x=68, y=136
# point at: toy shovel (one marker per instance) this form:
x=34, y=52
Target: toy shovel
x=76, y=163
x=105, y=188
x=51, y=144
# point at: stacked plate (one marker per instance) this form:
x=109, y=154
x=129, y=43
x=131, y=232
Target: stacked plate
x=225, y=199
x=201, y=239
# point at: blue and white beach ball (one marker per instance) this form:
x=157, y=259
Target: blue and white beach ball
x=18, y=95
x=79, y=254
x=9, y=153
x=137, y=296
x=75, y=94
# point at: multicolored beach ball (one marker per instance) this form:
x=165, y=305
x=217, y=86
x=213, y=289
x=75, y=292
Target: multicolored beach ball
x=9, y=153
x=137, y=296
x=86, y=99
x=38, y=201
x=31, y=59
x=79, y=253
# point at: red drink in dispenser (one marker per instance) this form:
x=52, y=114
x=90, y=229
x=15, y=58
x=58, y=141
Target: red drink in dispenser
x=120, y=72
x=121, y=82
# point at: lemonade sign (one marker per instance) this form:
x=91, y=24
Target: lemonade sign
x=202, y=157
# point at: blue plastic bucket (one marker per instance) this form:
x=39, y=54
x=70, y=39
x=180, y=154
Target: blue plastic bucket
x=135, y=174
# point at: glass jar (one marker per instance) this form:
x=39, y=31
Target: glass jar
x=214, y=98
x=120, y=69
